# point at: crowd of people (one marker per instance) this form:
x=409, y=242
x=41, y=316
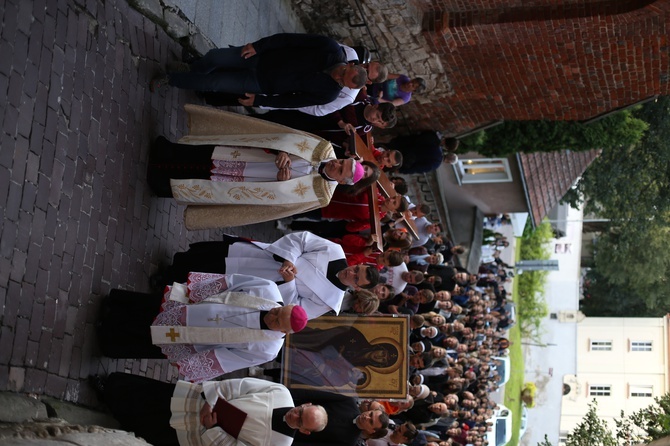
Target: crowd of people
x=227, y=305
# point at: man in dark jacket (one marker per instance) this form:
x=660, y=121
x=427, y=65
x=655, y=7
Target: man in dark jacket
x=423, y=152
x=346, y=423
x=283, y=70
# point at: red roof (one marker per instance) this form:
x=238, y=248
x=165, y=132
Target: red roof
x=548, y=176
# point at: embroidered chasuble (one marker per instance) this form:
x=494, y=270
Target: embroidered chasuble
x=255, y=195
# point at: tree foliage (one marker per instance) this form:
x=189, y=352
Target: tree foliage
x=642, y=427
x=630, y=186
x=618, y=129
x=532, y=307
x=654, y=419
x=602, y=299
x=592, y=431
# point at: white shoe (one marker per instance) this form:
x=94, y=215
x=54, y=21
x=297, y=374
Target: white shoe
x=256, y=372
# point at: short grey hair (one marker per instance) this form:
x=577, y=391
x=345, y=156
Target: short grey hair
x=322, y=418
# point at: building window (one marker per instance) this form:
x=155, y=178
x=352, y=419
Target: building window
x=483, y=170
x=601, y=346
x=641, y=391
x=641, y=346
x=600, y=390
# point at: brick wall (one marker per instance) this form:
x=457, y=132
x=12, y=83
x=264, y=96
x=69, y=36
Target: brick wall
x=487, y=60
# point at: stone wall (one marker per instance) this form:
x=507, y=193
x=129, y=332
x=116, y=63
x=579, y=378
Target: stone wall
x=490, y=60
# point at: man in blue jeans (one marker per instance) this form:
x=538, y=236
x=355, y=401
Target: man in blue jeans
x=283, y=70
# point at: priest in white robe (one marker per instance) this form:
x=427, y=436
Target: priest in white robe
x=310, y=271
x=244, y=412
x=212, y=325
x=233, y=170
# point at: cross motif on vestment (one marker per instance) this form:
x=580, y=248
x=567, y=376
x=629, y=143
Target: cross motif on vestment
x=215, y=319
x=300, y=189
x=303, y=146
x=172, y=335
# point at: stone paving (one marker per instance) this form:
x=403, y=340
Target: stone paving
x=236, y=22
x=78, y=218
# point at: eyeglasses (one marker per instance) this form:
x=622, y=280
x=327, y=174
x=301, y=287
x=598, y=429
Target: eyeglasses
x=357, y=278
x=301, y=410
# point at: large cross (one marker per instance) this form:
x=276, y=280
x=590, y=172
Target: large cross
x=172, y=334
x=386, y=189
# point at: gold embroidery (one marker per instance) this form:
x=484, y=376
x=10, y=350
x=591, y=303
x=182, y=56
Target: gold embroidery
x=322, y=152
x=300, y=189
x=323, y=189
x=257, y=138
x=303, y=146
x=193, y=191
x=235, y=154
x=258, y=193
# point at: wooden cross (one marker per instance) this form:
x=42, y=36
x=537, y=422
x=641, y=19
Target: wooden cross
x=172, y=334
x=386, y=189
x=215, y=319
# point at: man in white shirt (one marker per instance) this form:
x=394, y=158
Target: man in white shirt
x=377, y=73
x=425, y=230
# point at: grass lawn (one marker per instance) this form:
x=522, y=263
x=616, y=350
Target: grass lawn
x=515, y=383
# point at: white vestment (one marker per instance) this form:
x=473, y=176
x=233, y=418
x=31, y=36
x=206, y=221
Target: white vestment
x=248, y=150
x=310, y=254
x=239, y=171
x=256, y=397
x=212, y=326
x=216, y=204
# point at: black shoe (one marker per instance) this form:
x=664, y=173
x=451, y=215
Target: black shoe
x=97, y=383
x=157, y=281
x=178, y=67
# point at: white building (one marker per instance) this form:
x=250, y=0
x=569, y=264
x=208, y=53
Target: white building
x=621, y=362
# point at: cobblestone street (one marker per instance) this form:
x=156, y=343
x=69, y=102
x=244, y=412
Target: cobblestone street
x=78, y=218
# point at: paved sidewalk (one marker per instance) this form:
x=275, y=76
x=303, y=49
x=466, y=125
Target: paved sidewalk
x=78, y=219
x=236, y=22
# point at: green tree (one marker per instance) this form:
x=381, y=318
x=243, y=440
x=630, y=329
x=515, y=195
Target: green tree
x=592, y=431
x=532, y=307
x=630, y=186
x=616, y=130
x=654, y=419
x=649, y=426
x=603, y=299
